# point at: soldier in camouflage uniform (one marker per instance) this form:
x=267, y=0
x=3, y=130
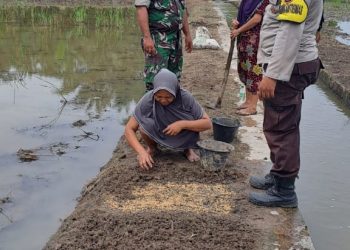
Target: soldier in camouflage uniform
x=161, y=22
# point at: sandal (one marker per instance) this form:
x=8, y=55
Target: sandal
x=245, y=112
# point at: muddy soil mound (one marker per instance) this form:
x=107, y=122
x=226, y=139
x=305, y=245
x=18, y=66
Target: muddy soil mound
x=335, y=55
x=176, y=205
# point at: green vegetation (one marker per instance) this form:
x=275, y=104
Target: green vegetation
x=40, y=15
x=332, y=24
x=95, y=52
x=80, y=14
x=337, y=4
x=335, y=11
x=102, y=66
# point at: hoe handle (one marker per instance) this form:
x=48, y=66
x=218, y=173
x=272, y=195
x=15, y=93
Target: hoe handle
x=227, y=70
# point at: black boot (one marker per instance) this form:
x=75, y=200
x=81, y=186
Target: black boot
x=261, y=182
x=281, y=194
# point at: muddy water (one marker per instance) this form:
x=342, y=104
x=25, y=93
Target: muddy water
x=323, y=187
x=345, y=30
x=228, y=9
x=49, y=79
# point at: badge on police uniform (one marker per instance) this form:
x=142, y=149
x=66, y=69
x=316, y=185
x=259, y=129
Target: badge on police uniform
x=291, y=10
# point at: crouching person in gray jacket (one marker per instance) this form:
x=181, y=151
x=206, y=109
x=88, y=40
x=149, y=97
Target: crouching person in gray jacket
x=289, y=56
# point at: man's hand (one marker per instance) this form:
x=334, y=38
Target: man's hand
x=148, y=46
x=318, y=37
x=145, y=160
x=173, y=129
x=235, y=24
x=188, y=44
x=267, y=88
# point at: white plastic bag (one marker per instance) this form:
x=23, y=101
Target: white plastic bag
x=203, y=40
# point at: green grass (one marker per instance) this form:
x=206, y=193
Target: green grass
x=338, y=3
x=39, y=15
x=332, y=24
x=80, y=14
x=113, y=16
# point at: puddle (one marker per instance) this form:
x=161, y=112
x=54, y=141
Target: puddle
x=50, y=79
x=345, y=29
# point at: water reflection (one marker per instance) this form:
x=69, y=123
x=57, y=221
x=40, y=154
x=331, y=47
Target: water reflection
x=50, y=77
x=97, y=63
x=229, y=9
x=323, y=184
x=345, y=29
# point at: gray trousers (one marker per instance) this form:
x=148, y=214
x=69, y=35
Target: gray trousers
x=282, y=116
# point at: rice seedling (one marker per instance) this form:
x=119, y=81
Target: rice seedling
x=55, y=16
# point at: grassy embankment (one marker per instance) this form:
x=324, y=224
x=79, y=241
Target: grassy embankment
x=52, y=15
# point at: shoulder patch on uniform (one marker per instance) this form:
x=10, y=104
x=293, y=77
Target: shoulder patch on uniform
x=292, y=10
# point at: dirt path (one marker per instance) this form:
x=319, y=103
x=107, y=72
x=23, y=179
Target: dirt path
x=335, y=55
x=178, y=205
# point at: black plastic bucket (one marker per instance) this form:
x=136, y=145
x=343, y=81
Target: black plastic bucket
x=225, y=129
x=214, y=154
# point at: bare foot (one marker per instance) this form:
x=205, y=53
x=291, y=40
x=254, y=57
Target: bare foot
x=243, y=106
x=191, y=155
x=151, y=150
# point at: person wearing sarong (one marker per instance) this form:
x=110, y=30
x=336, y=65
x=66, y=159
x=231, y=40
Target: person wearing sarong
x=169, y=116
x=246, y=28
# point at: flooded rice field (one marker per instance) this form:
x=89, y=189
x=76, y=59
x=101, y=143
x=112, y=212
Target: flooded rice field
x=65, y=93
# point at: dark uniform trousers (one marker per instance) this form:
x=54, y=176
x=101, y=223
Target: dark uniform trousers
x=282, y=118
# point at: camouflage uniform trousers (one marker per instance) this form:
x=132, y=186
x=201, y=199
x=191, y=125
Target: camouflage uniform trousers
x=170, y=57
